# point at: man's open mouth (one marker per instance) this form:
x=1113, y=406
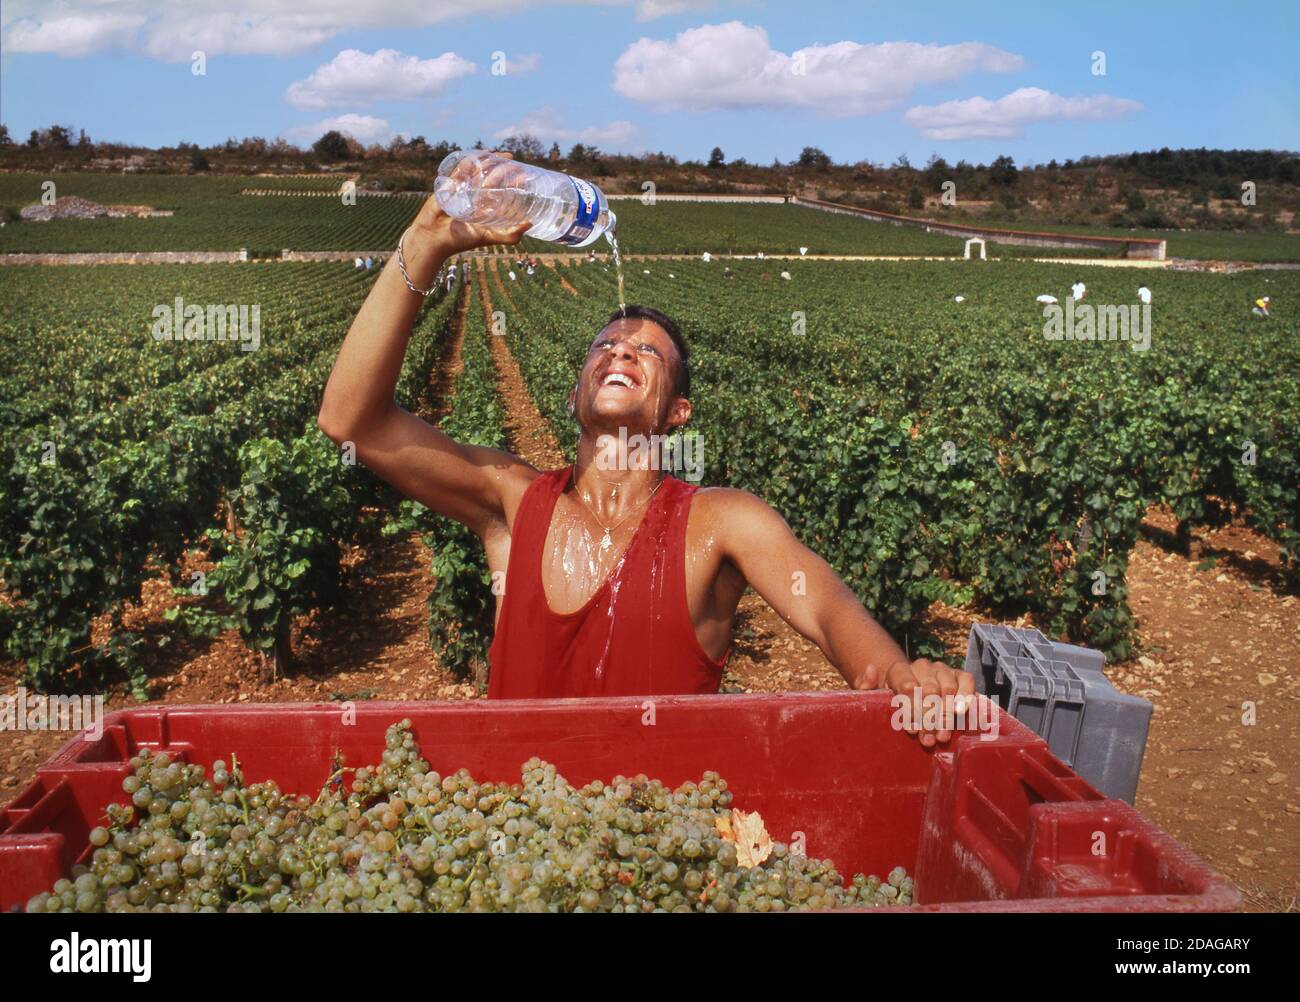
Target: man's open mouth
x=619, y=379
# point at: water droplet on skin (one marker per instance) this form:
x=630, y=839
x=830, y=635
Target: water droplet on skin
x=702, y=552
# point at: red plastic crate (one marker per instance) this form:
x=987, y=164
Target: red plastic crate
x=982, y=825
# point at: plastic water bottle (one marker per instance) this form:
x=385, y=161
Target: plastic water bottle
x=479, y=187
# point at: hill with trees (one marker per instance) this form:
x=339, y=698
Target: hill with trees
x=1253, y=190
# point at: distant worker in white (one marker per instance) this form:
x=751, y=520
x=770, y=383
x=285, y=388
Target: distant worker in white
x=1144, y=295
x=1261, y=307
x=1078, y=290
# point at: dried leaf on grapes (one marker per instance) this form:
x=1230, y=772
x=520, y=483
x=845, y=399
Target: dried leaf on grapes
x=753, y=844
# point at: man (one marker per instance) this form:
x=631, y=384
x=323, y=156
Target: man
x=619, y=580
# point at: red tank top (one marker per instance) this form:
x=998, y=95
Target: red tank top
x=634, y=637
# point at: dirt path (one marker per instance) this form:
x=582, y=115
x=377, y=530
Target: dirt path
x=1223, y=758
x=527, y=432
x=564, y=282
x=500, y=284
x=442, y=383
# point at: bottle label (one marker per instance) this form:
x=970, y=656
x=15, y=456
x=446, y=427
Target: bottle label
x=588, y=210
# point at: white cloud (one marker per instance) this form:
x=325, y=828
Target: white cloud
x=172, y=31
x=648, y=10
x=363, y=128
x=1006, y=118
x=175, y=36
x=72, y=36
x=733, y=65
x=548, y=126
x=355, y=77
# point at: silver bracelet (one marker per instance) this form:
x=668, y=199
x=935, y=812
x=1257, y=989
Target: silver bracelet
x=401, y=263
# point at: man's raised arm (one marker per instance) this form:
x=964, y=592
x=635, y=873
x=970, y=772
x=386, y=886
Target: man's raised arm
x=824, y=609
x=464, y=482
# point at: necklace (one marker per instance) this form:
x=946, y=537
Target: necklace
x=607, y=541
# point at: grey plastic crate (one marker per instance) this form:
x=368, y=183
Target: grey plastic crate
x=1059, y=691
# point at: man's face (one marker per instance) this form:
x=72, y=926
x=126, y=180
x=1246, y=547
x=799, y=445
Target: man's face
x=628, y=377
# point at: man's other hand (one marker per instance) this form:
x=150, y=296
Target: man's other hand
x=933, y=679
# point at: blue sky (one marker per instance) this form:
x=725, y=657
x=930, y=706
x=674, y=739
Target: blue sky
x=761, y=80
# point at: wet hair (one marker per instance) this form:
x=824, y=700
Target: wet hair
x=682, y=382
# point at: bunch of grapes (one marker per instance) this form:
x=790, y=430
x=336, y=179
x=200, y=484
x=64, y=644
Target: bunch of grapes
x=401, y=837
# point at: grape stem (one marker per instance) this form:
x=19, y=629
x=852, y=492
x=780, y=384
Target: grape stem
x=640, y=873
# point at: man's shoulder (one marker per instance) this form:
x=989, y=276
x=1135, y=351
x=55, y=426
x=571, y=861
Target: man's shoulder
x=524, y=475
x=736, y=520
x=513, y=475
x=723, y=496
x=729, y=501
